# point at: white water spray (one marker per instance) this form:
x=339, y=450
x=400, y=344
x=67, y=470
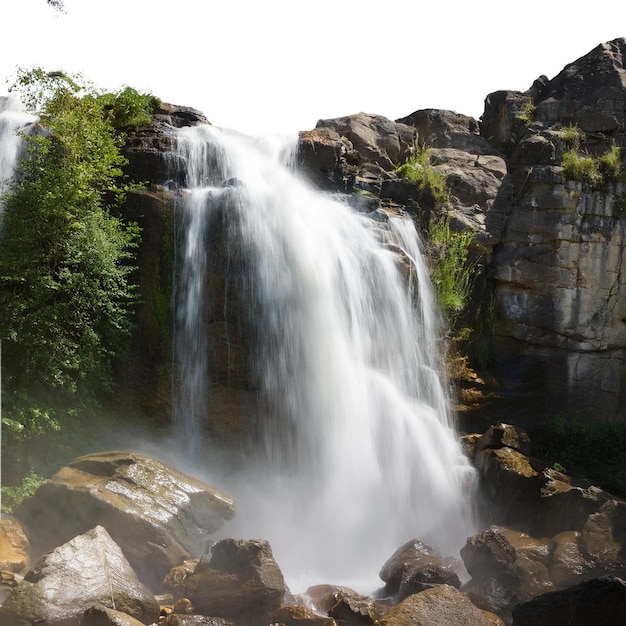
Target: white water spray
x=359, y=453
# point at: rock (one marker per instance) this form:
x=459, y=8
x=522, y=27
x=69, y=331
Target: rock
x=103, y=616
x=513, y=482
x=568, y=566
x=177, y=577
x=300, y=616
x=603, y=538
x=415, y=567
x=88, y=570
x=566, y=503
x=196, y=620
x=596, y=601
x=357, y=610
x=14, y=546
x=490, y=558
x=157, y=515
x=327, y=160
x=238, y=580
x=504, y=436
x=322, y=598
x=447, y=129
x=376, y=138
x=561, y=340
x=440, y=606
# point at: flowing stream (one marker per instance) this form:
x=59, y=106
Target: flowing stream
x=356, y=450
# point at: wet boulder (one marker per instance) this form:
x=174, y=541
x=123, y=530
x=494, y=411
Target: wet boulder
x=238, y=580
x=103, y=616
x=89, y=570
x=415, y=567
x=300, y=616
x=440, y=606
x=603, y=538
x=156, y=514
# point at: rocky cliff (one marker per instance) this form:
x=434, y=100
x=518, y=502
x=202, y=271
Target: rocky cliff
x=550, y=238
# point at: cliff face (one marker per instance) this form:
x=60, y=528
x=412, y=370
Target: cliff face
x=558, y=258
x=552, y=248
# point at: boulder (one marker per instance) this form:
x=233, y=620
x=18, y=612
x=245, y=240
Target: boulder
x=415, y=567
x=300, y=616
x=440, y=606
x=595, y=601
x=504, y=436
x=157, y=515
x=327, y=160
x=14, y=546
x=376, y=138
x=353, y=609
x=489, y=558
x=238, y=580
x=566, y=503
x=86, y=571
x=603, y=538
x=513, y=482
x=103, y=616
x=447, y=129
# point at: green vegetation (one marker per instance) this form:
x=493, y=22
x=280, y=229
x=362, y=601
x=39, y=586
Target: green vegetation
x=595, y=451
x=572, y=136
x=66, y=257
x=12, y=497
x=419, y=171
x=593, y=171
x=453, y=271
x=528, y=113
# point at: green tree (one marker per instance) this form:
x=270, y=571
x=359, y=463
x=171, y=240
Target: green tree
x=66, y=257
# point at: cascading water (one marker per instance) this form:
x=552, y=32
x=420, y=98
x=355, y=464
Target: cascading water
x=13, y=119
x=357, y=451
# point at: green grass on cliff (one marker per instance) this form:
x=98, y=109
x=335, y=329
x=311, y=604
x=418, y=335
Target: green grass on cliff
x=595, y=451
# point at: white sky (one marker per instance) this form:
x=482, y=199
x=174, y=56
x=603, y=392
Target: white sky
x=276, y=65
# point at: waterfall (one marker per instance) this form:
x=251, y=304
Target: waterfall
x=356, y=451
x=13, y=119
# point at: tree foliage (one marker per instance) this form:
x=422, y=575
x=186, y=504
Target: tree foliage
x=66, y=257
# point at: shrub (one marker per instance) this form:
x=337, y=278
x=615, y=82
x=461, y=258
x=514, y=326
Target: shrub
x=572, y=136
x=419, y=171
x=453, y=270
x=580, y=168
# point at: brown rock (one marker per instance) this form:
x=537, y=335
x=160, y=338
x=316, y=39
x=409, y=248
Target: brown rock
x=440, y=606
x=504, y=436
x=414, y=567
x=603, y=538
x=157, y=515
x=300, y=616
x=238, y=580
x=14, y=546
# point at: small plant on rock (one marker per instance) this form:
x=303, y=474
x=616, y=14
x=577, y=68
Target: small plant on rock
x=419, y=171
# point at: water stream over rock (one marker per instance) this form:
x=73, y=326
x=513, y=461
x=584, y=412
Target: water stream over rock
x=356, y=451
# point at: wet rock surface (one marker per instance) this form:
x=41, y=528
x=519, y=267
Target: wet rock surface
x=157, y=515
x=68, y=581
